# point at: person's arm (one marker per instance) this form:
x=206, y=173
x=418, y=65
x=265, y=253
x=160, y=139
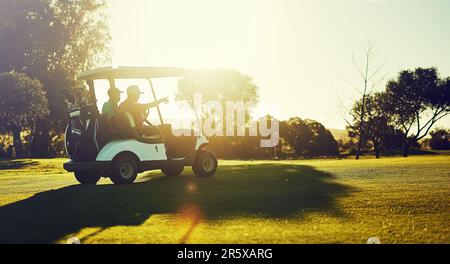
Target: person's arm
x=155, y=104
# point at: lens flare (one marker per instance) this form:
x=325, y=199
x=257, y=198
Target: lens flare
x=191, y=187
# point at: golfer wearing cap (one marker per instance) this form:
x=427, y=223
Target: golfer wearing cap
x=110, y=108
x=131, y=106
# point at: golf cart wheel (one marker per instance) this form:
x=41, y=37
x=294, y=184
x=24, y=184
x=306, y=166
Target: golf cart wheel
x=124, y=170
x=87, y=177
x=206, y=164
x=173, y=171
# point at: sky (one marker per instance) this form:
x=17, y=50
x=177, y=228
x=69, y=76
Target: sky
x=300, y=53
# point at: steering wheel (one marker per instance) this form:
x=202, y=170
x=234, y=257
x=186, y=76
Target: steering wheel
x=146, y=113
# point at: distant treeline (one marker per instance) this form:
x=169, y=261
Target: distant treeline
x=312, y=144
x=299, y=139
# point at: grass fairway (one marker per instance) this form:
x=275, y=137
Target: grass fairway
x=323, y=201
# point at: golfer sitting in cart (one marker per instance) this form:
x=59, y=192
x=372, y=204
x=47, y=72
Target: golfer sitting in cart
x=131, y=106
x=110, y=107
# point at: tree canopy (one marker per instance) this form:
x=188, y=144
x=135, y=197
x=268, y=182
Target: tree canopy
x=405, y=112
x=308, y=138
x=440, y=139
x=377, y=121
x=417, y=100
x=220, y=84
x=22, y=103
x=52, y=41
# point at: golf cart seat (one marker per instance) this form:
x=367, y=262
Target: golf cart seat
x=124, y=127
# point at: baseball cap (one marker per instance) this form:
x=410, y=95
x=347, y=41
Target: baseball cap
x=134, y=89
x=112, y=90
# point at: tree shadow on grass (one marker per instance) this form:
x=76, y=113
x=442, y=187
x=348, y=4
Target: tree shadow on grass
x=262, y=190
x=16, y=164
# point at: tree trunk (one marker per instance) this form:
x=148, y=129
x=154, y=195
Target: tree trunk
x=377, y=151
x=405, y=148
x=361, y=126
x=41, y=140
x=360, y=140
x=358, y=149
x=17, y=141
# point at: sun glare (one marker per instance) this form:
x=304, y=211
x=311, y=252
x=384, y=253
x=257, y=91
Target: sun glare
x=296, y=51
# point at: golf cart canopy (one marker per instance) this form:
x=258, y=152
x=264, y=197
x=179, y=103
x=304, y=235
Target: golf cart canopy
x=109, y=73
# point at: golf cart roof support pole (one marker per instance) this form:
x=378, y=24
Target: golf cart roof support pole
x=112, y=83
x=156, y=99
x=200, y=128
x=90, y=83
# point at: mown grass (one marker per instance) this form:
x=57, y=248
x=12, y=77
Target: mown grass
x=320, y=201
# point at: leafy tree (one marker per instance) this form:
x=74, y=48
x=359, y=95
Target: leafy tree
x=296, y=134
x=440, y=139
x=308, y=138
x=52, y=41
x=377, y=121
x=22, y=102
x=25, y=29
x=219, y=85
x=225, y=86
x=347, y=145
x=417, y=98
x=322, y=143
x=392, y=139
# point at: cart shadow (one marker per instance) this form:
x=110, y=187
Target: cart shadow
x=262, y=190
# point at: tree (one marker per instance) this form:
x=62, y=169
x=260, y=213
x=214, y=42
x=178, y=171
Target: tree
x=392, y=140
x=29, y=33
x=296, y=134
x=417, y=98
x=219, y=85
x=322, y=143
x=370, y=79
x=377, y=120
x=440, y=139
x=22, y=102
x=52, y=41
x=308, y=138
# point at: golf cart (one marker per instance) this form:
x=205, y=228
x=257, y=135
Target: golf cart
x=102, y=146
